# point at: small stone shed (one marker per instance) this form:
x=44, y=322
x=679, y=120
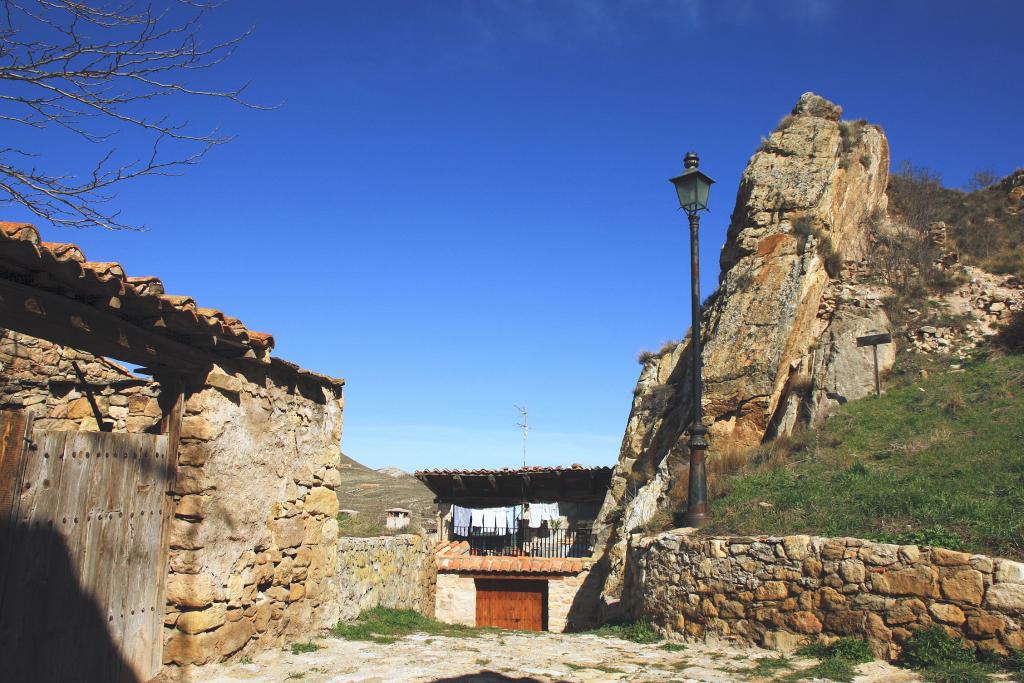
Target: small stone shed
x=519, y=577
x=176, y=514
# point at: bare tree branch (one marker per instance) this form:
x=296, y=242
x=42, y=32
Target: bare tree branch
x=96, y=70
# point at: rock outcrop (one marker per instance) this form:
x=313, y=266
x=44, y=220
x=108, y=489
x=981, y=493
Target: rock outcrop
x=780, y=330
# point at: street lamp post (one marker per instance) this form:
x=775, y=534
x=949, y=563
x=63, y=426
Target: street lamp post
x=693, y=187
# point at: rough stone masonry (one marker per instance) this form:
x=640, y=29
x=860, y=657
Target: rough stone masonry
x=253, y=542
x=780, y=591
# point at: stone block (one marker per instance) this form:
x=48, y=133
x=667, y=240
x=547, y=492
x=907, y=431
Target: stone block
x=314, y=530
x=845, y=622
x=966, y=585
x=984, y=625
x=283, y=572
x=232, y=636
x=137, y=403
x=949, y=558
x=192, y=453
x=184, y=535
x=771, y=590
x=288, y=532
x=224, y=382
x=1008, y=571
x=910, y=553
x=185, y=648
x=185, y=562
x=190, y=480
x=920, y=581
x=947, y=614
x=782, y=641
x=852, y=571
x=804, y=622
x=190, y=506
x=79, y=408
x=332, y=478
x=329, y=456
x=905, y=612
x=197, y=427
x=234, y=589
x=797, y=548
x=261, y=619
x=879, y=554
x=1006, y=597
x=190, y=590
x=321, y=501
x=296, y=592
x=198, y=621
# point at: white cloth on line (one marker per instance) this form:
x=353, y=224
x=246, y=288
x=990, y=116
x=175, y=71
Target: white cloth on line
x=476, y=516
x=462, y=518
x=542, y=512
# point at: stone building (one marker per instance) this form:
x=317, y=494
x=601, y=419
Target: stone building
x=185, y=510
x=517, y=546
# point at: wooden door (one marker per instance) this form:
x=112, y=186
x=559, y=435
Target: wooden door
x=512, y=603
x=81, y=597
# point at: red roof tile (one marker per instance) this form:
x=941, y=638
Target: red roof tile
x=453, y=556
x=139, y=300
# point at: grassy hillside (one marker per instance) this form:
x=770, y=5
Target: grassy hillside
x=936, y=460
x=370, y=492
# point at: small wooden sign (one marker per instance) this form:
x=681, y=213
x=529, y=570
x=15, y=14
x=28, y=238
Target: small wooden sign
x=873, y=340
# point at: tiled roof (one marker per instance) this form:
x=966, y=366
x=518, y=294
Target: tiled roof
x=453, y=556
x=62, y=268
x=517, y=470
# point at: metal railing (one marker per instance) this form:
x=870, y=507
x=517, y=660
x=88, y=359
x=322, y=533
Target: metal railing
x=526, y=542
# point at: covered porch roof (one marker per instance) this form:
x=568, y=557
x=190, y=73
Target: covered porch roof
x=493, y=488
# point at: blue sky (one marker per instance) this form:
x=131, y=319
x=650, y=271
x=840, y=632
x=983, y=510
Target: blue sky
x=462, y=206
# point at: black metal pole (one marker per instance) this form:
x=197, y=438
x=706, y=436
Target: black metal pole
x=697, y=496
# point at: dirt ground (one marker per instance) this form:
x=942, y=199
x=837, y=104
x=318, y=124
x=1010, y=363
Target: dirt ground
x=511, y=657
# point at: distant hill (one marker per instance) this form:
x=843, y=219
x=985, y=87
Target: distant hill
x=393, y=472
x=371, y=491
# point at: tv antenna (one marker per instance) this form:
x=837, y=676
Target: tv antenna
x=525, y=426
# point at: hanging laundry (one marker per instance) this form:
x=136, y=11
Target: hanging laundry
x=477, y=517
x=542, y=512
x=462, y=518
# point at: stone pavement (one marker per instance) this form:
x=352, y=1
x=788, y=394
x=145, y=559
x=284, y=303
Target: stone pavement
x=507, y=657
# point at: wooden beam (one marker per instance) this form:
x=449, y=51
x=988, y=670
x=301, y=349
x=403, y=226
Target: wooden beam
x=71, y=323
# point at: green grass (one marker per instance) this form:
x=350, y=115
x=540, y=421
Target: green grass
x=673, y=647
x=933, y=461
x=300, y=648
x=634, y=631
x=838, y=660
x=942, y=658
x=381, y=625
x=767, y=667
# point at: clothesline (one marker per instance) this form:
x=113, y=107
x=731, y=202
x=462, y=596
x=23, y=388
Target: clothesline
x=506, y=519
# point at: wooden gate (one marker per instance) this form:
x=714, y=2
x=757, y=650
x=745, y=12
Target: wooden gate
x=82, y=576
x=512, y=603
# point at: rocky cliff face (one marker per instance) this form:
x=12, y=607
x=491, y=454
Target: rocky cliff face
x=780, y=331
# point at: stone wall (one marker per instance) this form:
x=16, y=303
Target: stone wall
x=777, y=592
x=398, y=572
x=253, y=541
x=573, y=602
x=38, y=376
x=456, y=599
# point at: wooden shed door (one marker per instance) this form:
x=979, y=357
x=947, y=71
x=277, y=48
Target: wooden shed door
x=82, y=582
x=512, y=603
